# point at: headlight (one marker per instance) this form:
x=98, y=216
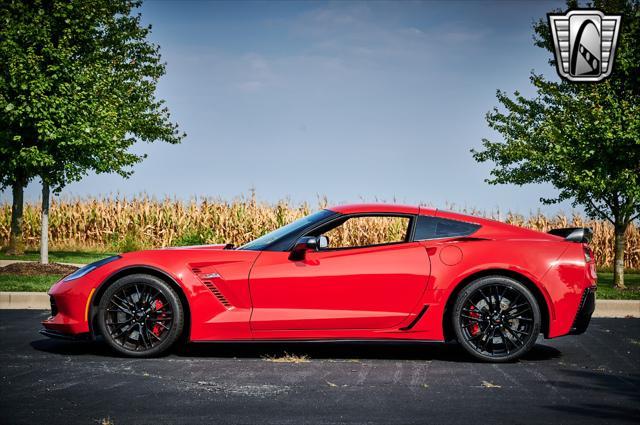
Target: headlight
x=82, y=271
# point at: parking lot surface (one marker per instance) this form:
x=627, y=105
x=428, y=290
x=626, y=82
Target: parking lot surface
x=592, y=378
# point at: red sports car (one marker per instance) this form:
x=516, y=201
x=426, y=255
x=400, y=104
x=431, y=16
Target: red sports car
x=333, y=275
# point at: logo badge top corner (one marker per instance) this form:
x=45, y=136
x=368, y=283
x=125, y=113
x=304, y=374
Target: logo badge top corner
x=585, y=44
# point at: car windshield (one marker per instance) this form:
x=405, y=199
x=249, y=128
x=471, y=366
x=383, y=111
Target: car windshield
x=292, y=228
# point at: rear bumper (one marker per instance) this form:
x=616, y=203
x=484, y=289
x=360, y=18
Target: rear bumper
x=585, y=310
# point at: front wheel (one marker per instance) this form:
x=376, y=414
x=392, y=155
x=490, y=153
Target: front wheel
x=496, y=319
x=140, y=316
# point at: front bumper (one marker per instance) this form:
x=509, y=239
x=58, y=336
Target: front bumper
x=69, y=337
x=69, y=310
x=585, y=310
x=57, y=326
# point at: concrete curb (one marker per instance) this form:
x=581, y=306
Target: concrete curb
x=40, y=301
x=617, y=308
x=24, y=301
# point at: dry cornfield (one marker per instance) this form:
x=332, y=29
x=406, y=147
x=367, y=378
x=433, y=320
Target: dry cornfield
x=104, y=223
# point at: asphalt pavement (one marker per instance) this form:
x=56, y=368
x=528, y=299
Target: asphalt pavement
x=591, y=378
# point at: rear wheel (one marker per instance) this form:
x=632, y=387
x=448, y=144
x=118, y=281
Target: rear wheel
x=140, y=316
x=496, y=319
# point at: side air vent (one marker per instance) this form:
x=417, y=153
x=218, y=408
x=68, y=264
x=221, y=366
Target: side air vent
x=215, y=291
x=206, y=277
x=417, y=319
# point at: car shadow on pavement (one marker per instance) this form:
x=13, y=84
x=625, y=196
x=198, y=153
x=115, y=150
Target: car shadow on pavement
x=611, y=385
x=351, y=350
x=72, y=348
x=391, y=350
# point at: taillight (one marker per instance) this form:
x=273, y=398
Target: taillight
x=591, y=264
x=588, y=254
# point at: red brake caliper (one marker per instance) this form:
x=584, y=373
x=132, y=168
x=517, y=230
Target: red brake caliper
x=475, y=328
x=157, y=329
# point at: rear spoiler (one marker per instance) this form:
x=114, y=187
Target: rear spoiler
x=574, y=234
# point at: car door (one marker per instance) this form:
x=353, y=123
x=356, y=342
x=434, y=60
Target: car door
x=361, y=287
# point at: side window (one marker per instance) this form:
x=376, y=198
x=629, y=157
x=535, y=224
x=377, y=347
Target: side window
x=434, y=228
x=367, y=230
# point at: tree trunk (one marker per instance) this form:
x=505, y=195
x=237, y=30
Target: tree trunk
x=44, y=227
x=618, y=259
x=16, y=241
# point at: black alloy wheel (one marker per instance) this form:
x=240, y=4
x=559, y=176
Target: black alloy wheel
x=496, y=319
x=140, y=316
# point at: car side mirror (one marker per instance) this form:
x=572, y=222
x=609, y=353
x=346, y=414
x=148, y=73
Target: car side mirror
x=303, y=245
x=323, y=242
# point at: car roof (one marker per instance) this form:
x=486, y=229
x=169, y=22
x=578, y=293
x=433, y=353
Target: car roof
x=375, y=208
x=489, y=227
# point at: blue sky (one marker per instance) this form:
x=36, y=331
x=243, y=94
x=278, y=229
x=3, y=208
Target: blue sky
x=379, y=100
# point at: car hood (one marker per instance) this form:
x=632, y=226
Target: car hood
x=175, y=257
x=217, y=247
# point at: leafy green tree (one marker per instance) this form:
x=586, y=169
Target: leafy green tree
x=584, y=138
x=77, y=90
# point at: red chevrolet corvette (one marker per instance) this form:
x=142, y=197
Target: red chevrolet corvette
x=432, y=276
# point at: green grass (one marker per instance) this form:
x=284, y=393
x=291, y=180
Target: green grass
x=606, y=291
x=13, y=283
x=74, y=257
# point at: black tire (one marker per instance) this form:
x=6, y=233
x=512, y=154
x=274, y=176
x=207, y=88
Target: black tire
x=496, y=319
x=140, y=316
